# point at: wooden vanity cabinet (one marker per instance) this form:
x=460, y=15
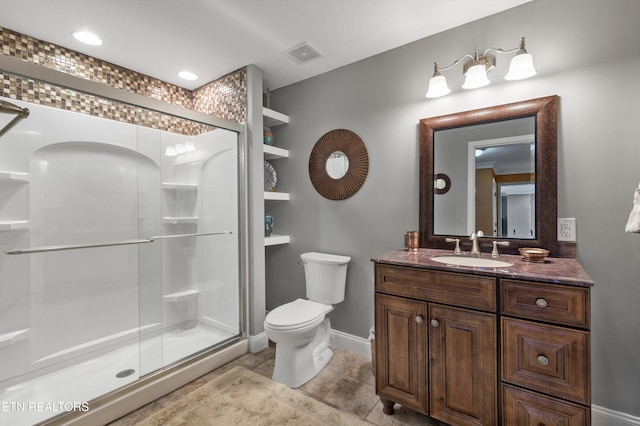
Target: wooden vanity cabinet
x=480, y=350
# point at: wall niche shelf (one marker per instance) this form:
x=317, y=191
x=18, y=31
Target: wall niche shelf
x=279, y=196
x=273, y=118
x=275, y=240
x=274, y=153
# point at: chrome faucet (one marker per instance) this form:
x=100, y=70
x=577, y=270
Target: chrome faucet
x=475, y=247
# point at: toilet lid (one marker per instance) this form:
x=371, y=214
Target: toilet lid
x=295, y=314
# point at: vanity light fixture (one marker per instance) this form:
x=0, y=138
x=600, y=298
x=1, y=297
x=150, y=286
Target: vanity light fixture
x=477, y=67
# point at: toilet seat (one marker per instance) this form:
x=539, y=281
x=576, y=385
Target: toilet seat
x=297, y=314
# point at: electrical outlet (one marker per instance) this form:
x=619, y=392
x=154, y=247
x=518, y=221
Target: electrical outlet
x=567, y=229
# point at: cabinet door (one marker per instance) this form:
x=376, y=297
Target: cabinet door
x=462, y=366
x=401, y=345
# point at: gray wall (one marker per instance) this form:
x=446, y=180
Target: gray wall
x=588, y=53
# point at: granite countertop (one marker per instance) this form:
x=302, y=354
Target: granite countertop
x=553, y=270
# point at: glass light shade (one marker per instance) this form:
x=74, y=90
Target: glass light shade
x=521, y=67
x=170, y=151
x=438, y=87
x=475, y=77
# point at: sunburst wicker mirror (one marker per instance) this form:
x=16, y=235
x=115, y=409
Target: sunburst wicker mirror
x=340, y=141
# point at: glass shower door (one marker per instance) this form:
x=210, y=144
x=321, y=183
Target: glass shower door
x=68, y=265
x=189, y=280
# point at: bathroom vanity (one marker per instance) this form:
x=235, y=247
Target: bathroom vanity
x=483, y=345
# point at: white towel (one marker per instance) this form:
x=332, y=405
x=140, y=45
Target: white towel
x=633, y=224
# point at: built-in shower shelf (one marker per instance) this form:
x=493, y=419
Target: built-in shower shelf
x=9, y=225
x=19, y=177
x=8, y=339
x=181, y=295
x=180, y=186
x=170, y=220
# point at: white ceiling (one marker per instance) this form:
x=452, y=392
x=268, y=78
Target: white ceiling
x=214, y=37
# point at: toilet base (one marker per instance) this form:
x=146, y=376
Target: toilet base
x=295, y=366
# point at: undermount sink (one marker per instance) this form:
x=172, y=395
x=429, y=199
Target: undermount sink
x=471, y=261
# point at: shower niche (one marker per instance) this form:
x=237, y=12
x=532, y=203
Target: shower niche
x=118, y=252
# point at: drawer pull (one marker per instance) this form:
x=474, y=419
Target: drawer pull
x=434, y=323
x=543, y=360
x=419, y=319
x=541, y=303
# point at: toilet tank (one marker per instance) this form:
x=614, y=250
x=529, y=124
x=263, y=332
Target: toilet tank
x=325, y=276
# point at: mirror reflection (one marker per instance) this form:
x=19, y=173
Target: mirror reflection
x=493, y=179
x=337, y=164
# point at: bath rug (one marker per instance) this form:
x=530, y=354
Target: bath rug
x=242, y=397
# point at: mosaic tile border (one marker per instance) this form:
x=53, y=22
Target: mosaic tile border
x=224, y=98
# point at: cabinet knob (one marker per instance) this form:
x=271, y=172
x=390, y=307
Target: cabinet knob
x=434, y=323
x=541, y=303
x=419, y=319
x=543, y=360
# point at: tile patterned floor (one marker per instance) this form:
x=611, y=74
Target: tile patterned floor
x=346, y=384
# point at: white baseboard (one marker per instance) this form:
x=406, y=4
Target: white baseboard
x=258, y=343
x=601, y=416
x=350, y=343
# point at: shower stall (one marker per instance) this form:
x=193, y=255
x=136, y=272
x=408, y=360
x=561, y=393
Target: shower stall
x=119, y=255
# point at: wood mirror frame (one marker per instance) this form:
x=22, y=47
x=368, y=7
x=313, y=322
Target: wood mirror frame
x=351, y=145
x=545, y=111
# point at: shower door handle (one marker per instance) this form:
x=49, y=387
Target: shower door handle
x=47, y=249
x=204, y=234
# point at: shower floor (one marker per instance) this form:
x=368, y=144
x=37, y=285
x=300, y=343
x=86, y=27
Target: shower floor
x=53, y=393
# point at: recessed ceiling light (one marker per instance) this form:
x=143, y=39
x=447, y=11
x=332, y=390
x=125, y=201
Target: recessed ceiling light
x=87, y=38
x=187, y=75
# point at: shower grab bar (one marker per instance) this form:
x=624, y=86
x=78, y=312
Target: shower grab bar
x=46, y=249
x=167, y=237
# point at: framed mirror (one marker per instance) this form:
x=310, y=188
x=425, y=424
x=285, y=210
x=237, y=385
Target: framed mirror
x=339, y=164
x=509, y=194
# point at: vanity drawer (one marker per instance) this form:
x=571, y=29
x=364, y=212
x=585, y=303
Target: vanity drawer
x=474, y=291
x=520, y=407
x=554, y=303
x=550, y=359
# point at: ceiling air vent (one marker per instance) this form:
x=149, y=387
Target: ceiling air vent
x=303, y=53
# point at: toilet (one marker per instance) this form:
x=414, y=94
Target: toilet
x=299, y=328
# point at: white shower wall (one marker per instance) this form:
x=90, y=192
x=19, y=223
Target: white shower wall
x=72, y=179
